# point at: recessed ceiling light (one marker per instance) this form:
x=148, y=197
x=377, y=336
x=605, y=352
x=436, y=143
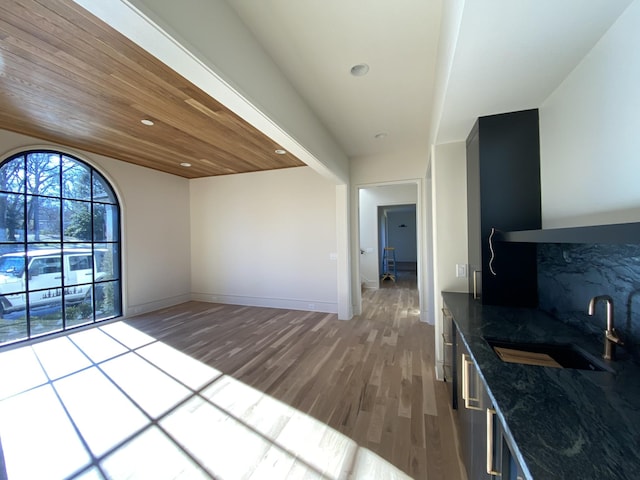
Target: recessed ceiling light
x=147, y=122
x=280, y=151
x=380, y=136
x=185, y=164
x=360, y=70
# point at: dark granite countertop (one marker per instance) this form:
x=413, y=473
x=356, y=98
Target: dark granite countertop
x=563, y=423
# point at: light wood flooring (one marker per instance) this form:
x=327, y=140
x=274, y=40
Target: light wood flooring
x=405, y=278
x=370, y=378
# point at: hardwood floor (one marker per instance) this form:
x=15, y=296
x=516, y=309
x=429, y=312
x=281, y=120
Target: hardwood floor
x=406, y=277
x=370, y=378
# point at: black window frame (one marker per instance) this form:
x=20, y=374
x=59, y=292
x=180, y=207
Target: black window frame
x=97, y=286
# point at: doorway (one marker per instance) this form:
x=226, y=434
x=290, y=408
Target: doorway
x=382, y=210
x=398, y=246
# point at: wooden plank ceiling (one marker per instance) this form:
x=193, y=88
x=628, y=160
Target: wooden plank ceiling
x=69, y=78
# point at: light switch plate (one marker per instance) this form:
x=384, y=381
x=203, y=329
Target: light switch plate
x=461, y=270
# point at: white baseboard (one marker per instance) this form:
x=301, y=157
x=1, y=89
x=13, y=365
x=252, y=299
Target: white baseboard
x=288, y=304
x=131, y=310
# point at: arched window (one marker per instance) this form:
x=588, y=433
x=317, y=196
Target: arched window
x=59, y=246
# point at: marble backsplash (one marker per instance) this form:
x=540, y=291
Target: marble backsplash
x=569, y=275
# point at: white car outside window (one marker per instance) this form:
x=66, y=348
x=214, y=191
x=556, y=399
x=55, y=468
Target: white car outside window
x=46, y=274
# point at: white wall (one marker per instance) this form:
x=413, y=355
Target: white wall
x=370, y=199
x=392, y=167
x=449, y=170
x=450, y=22
x=403, y=238
x=155, y=226
x=449, y=173
x=589, y=134
x=266, y=239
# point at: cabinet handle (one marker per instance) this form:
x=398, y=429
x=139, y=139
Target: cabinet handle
x=465, y=380
x=466, y=362
x=490, y=413
x=475, y=284
x=446, y=340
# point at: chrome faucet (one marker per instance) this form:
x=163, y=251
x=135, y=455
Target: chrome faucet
x=611, y=338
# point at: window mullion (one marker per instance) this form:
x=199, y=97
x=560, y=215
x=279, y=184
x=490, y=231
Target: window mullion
x=62, y=245
x=25, y=245
x=93, y=252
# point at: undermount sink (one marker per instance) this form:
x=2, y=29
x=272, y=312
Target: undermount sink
x=546, y=354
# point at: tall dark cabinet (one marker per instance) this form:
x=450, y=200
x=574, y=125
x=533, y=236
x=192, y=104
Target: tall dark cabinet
x=503, y=193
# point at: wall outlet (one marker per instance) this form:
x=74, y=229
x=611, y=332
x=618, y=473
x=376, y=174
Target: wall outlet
x=461, y=270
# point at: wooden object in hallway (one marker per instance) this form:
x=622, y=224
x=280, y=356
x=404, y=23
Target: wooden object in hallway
x=389, y=264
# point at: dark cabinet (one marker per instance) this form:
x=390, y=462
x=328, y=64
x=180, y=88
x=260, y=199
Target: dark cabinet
x=473, y=405
x=474, y=226
x=503, y=194
x=485, y=447
x=485, y=451
x=618, y=233
x=511, y=469
x=448, y=355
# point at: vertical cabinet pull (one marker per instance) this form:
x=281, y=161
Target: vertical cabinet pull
x=466, y=395
x=465, y=380
x=446, y=336
x=475, y=284
x=490, y=413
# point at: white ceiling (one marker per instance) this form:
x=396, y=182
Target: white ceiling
x=510, y=55
x=316, y=42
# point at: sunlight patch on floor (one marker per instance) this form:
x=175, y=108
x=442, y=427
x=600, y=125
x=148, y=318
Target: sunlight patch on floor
x=19, y=371
x=156, y=395
x=151, y=455
x=190, y=372
x=97, y=345
x=38, y=440
x=103, y=415
x=222, y=444
x=60, y=357
x=112, y=402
